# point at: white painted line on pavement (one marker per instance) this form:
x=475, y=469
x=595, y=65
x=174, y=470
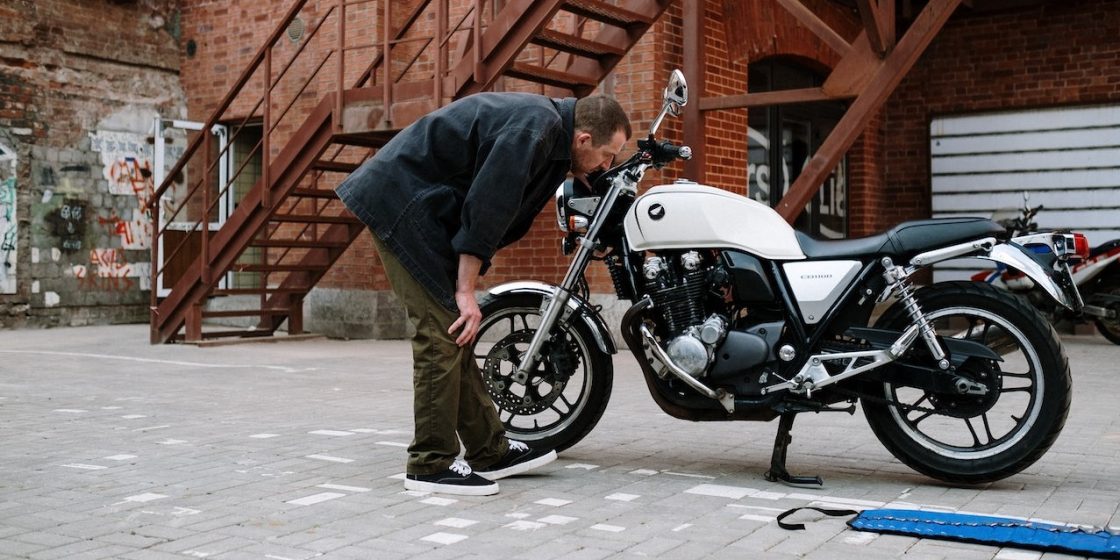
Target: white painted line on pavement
x=70, y=410
x=720, y=491
x=330, y=458
x=331, y=433
x=645, y=472
x=680, y=528
x=524, y=525
x=316, y=498
x=557, y=519
x=142, y=498
x=759, y=508
x=154, y=361
x=84, y=467
x=172, y=442
x=434, y=501
x=150, y=428
x=762, y=518
x=444, y=538
x=554, y=502
x=583, y=466
x=345, y=488
x=133, y=416
x=264, y=436
x=1006, y=554
x=688, y=475
x=120, y=457
x=456, y=522
x=863, y=537
x=111, y=408
x=391, y=443
x=608, y=528
x=620, y=497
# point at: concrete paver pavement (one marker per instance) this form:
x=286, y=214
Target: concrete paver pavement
x=116, y=449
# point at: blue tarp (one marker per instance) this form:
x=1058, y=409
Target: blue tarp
x=995, y=531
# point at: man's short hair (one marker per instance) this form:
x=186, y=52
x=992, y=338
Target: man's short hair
x=602, y=117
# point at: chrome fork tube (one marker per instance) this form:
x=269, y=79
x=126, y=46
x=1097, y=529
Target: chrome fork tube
x=575, y=271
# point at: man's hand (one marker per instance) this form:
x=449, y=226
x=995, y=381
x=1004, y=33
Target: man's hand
x=470, y=316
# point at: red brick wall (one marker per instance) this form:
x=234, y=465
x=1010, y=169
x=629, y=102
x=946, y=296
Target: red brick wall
x=1061, y=53
x=1054, y=54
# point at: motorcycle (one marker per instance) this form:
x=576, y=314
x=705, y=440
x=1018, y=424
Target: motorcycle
x=736, y=316
x=1095, y=273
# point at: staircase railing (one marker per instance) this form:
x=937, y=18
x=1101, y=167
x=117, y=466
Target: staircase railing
x=410, y=48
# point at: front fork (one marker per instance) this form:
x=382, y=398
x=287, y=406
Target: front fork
x=553, y=311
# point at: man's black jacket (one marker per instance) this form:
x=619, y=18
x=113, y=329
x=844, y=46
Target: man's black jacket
x=467, y=178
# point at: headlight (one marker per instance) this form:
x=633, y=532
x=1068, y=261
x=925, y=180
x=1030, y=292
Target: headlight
x=562, y=207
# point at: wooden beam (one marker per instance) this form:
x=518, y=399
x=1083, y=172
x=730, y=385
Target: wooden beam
x=815, y=24
x=768, y=98
x=694, y=74
x=878, y=21
x=882, y=84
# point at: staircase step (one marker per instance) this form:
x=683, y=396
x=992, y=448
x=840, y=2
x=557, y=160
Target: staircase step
x=314, y=193
x=278, y=267
x=207, y=335
x=258, y=291
x=606, y=13
x=548, y=76
x=314, y=219
x=301, y=243
x=576, y=45
x=335, y=166
x=246, y=312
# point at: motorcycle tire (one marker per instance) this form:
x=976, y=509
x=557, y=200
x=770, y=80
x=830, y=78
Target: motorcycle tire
x=1110, y=328
x=959, y=443
x=547, y=409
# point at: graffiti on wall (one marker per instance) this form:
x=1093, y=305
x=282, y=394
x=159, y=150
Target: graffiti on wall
x=127, y=166
x=68, y=224
x=8, y=220
x=108, y=270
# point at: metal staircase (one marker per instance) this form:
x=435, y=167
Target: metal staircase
x=327, y=105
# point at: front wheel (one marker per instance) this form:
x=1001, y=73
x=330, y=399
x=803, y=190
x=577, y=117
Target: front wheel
x=562, y=399
x=968, y=437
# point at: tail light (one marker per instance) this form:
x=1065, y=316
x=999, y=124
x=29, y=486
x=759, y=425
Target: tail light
x=1082, y=245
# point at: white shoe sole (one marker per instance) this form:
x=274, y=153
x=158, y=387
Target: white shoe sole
x=519, y=468
x=457, y=489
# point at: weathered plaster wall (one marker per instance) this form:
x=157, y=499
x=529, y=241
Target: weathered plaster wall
x=80, y=85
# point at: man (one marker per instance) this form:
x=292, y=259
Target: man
x=441, y=198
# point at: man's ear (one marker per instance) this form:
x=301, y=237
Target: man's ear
x=581, y=137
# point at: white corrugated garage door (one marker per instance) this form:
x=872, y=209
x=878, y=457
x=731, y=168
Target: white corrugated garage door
x=1068, y=159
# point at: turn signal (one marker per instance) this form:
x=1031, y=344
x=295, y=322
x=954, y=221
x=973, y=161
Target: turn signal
x=577, y=224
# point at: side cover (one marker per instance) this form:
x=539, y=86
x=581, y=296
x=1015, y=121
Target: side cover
x=692, y=216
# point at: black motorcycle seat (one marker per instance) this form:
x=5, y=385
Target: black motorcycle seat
x=904, y=240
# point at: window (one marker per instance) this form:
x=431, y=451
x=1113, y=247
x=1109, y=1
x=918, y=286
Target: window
x=782, y=138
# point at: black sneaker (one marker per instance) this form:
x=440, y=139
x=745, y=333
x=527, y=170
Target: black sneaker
x=518, y=459
x=457, y=479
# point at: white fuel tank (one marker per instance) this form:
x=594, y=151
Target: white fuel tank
x=693, y=216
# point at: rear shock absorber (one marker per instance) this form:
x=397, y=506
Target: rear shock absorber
x=899, y=278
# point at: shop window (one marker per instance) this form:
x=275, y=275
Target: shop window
x=782, y=138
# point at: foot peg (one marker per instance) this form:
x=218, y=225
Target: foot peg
x=778, y=472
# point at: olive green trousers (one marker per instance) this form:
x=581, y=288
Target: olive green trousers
x=450, y=402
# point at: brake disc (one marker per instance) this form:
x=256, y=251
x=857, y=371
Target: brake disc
x=543, y=385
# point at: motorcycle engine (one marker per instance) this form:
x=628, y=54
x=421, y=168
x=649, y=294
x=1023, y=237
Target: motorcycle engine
x=678, y=284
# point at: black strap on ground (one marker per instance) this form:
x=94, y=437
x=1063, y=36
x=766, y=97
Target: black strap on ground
x=801, y=526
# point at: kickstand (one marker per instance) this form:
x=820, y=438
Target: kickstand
x=778, y=472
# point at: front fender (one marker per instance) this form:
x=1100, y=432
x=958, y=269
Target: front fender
x=576, y=305
x=1016, y=257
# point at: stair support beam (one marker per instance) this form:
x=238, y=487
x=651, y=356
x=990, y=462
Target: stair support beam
x=883, y=80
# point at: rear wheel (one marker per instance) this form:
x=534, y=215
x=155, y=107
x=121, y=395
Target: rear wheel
x=975, y=437
x=1110, y=327
x=562, y=399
